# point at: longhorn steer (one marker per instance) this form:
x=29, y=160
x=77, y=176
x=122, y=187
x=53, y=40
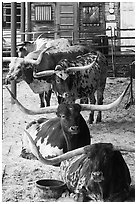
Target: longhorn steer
x=58, y=135
x=95, y=172
x=38, y=61
x=76, y=80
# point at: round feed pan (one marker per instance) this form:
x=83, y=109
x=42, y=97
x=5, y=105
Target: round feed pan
x=48, y=188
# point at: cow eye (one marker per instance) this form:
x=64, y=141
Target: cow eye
x=63, y=116
x=57, y=81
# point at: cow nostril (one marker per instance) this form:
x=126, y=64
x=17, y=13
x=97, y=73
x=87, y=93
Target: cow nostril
x=97, y=176
x=66, y=94
x=74, y=128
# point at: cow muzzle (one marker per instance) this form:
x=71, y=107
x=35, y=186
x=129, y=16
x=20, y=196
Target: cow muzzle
x=9, y=78
x=97, y=176
x=74, y=130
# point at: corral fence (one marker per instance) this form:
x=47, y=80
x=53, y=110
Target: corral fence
x=118, y=45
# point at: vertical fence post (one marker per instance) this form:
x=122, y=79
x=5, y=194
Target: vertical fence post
x=28, y=14
x=112, y=51
x=23, y=21
x=13, y=43
x=131, y=80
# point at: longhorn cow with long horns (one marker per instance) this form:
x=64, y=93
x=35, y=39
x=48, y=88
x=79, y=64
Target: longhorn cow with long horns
x=66, y=132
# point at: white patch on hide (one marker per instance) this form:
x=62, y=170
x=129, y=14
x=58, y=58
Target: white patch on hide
x=32, y=130
x=47, y=150
x=39, y=86
x=62, y=75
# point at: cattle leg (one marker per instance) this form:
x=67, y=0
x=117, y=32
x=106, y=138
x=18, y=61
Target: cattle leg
x=26, y=152
x=91, y=115
x=48, y=96
x=60, y=99
x=99, y=102
x=41, y=96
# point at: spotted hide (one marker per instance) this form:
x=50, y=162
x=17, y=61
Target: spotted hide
x=58, y=135
x=72, y=85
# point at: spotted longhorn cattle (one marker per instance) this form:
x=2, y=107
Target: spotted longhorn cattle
x=38, y=61
x=81, y=78
x=96, y=172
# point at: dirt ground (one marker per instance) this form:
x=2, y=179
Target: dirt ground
x=19, y=175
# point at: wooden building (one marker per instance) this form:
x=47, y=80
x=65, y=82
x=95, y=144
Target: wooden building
x=74, y=18
x=107, y=26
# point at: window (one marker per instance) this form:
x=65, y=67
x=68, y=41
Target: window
x=7, y=15
x=90, y=15
x=43, y=13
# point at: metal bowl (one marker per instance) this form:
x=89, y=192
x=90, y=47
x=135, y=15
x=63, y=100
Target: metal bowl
x=48, y=188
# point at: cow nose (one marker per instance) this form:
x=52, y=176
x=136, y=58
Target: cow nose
x=74, y=129
x=97, y=176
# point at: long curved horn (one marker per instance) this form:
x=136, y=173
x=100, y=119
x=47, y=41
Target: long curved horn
x=123, y=149
x=81, y=68
x=57, y=159
x=68, y=155
x=85, y=107
x=36, y=62
x=50, y=109
x=43, y=73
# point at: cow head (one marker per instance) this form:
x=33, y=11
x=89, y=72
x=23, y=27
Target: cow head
x=33, y=60
x=72, y=123
x=15, y=71
x=70, y=117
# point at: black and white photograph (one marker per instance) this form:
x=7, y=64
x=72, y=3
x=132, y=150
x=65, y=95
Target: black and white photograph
x=68, y=101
